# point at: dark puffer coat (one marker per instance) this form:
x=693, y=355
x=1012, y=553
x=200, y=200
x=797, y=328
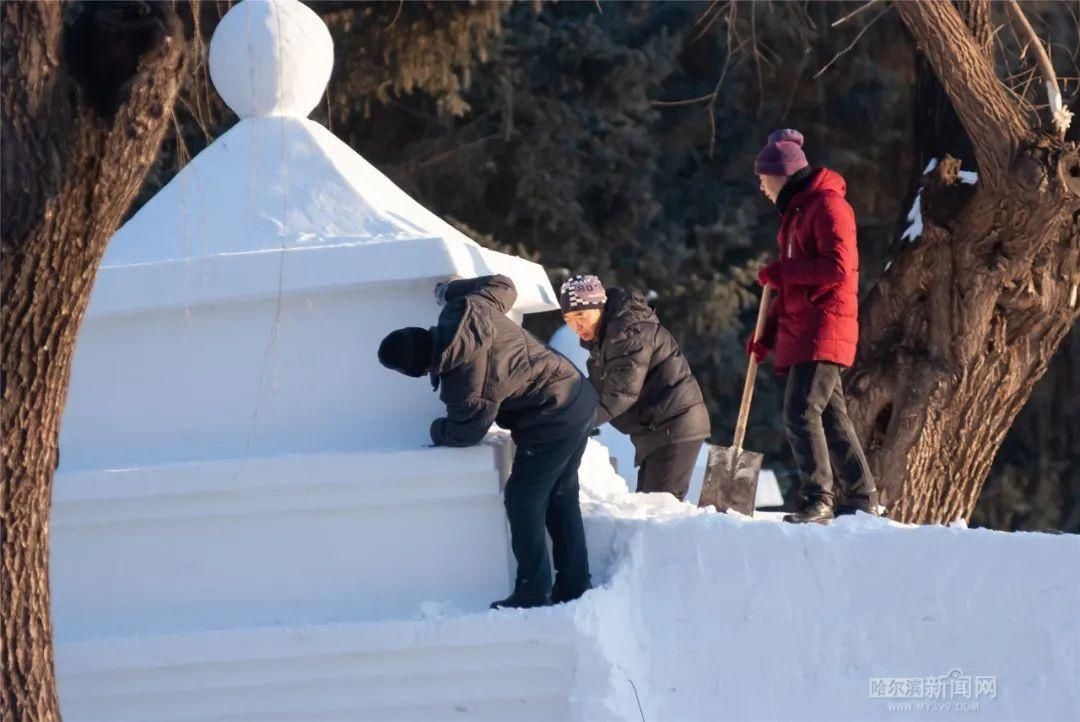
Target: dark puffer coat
x=492, y=370
x=644, y=383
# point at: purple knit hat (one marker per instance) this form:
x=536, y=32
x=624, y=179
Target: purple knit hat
x=782, y=155
x=581, y=293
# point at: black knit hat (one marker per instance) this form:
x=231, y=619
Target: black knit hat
x=407, y=350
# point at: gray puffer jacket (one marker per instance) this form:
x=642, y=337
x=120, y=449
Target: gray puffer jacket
x=492, y=370
x=645, y=386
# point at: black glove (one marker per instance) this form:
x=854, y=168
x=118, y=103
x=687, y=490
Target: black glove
x=440, y=292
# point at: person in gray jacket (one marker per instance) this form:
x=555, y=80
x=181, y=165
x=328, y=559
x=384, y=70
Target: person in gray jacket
x=490, y=370
x=644, y=384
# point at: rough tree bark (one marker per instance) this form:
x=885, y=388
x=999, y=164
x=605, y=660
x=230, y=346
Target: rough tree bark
x=955, y=336
x=1035, y=482
x=87, y=94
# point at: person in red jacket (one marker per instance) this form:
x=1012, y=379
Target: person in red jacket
x=813, y=327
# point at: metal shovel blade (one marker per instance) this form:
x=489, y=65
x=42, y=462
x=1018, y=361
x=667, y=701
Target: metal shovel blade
x=731, y=479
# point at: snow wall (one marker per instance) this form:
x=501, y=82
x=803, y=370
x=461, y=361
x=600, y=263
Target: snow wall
x=716, y=617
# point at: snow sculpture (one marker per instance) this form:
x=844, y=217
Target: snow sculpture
x=233, y=455
x=271, y=59
x=245, y=527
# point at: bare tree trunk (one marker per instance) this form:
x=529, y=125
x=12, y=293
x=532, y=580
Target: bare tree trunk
x=1035, y=482
x=87, y=94
x=936, y=129
x=955, y=336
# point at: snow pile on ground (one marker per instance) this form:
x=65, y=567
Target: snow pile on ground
x=710, y=616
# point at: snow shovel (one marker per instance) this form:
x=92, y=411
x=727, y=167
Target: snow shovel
x=731, y=476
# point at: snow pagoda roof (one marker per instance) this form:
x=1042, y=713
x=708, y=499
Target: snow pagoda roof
x=278, y=182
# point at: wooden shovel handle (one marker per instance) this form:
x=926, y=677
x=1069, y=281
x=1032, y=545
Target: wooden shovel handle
x=751, y=371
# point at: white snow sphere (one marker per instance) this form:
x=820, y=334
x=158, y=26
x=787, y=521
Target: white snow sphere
x=271, y=57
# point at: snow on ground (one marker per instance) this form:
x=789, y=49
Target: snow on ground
x=696, y=617
x=712, y=616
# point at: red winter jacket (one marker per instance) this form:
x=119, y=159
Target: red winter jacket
x=815, y=314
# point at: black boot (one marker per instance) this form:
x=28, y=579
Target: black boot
x=867, y=505
x=818, y=511
x=518, y=600
x=560, y=595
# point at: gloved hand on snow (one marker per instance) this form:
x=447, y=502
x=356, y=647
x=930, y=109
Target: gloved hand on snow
x=440, y=292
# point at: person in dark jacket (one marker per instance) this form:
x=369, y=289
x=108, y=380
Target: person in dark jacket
x=814, y=327
x=491, y=370
x=643, y=382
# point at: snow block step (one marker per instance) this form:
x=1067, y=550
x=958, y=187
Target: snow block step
x=287, y=540
x=493, y=666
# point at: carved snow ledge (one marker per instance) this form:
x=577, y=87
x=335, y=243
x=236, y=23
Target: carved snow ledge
x=267, y=485
x=337, y=264
x=287, y=540
x=493, y=667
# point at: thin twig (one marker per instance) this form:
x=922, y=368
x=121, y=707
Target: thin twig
x=853, y=13
x=806, y=16
x=183, y=155
x=1027, y=83
x=1020, y=76
x=711, y=107
x=1076, y=24
x=771, y=63
x=1059, y=113
x=710, y=97
x=708, y=11
x=1020, y=96
x=397, y=14
x=446, y=155
x=677, y=103
x=795, y=85
x=712, y=21
x=1072, y=58
x=197, y=117
x=757, y=58
x=862, y=32
x=1001, y=45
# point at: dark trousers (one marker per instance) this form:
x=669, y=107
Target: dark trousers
x=542, y=493
x=669, y=469
x=821, y=435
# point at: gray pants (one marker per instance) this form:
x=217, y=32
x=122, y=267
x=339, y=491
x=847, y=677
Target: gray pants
x=822, y=437
x=669, y=469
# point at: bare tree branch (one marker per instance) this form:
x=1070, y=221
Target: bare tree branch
x=397, y=14
x=1060, y=114
x=853, y=13
x=688, y=101
x=853, y=42
x=991, y=118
